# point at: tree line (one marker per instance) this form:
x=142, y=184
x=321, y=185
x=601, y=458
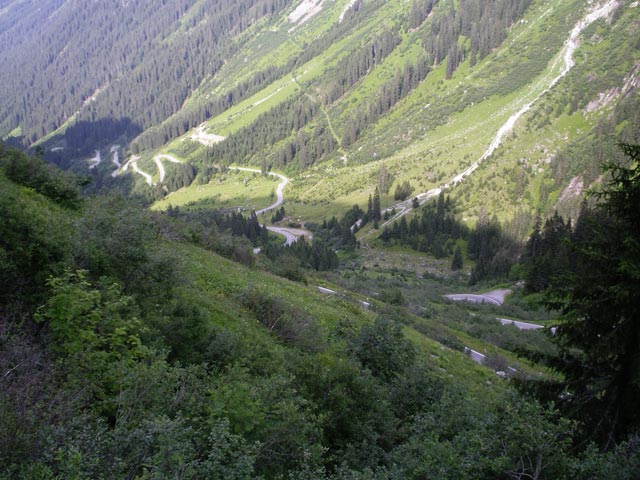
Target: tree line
x=438, y=231
x=194, y=115
x=403, y=82
x=354, y=67
x=485, y=24
x=273, y=127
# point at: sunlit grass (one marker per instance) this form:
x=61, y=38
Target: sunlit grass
x=233, y=189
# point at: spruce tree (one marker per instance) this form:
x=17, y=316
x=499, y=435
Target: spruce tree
x=457, y=262
x=375, y=209
x=599, y=333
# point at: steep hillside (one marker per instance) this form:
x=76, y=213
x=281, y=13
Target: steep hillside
x=333, y=93
x=130, y=349
x=111, y=68
x=108, y=328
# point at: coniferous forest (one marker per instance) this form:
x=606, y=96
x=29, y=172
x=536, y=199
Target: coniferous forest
x=142, y=74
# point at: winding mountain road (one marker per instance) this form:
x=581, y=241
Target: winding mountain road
x=95, y=161
x=520, y=325
x=525, y=325
x=290, y=238
x=291, y=234
x=472, y=298
x=494, y=297
x=134, y=165
x=133, y=161
x=279, y=189
x=158, y=159
x=565, y=55
x=115, y=150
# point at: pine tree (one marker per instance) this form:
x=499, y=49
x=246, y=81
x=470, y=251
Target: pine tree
x=376, y=214
x=535, y=278
x=457, y=262
x=546, y=253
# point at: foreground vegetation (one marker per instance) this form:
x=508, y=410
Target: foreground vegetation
x=129, y=349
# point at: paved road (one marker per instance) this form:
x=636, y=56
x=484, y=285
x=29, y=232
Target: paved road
x=327, y=291
x=494, y=297
x=287, y=232
x=480, y=358
x=158, y=159
x=498, y=294
x=133, y=161
x=115, y=160
x=520, y=325
x=95, y=161
x=475, y=356
x=279, y=189
x=291, y=234
x=473, y=298
x=525, y=325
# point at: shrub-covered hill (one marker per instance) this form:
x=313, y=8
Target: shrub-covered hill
x=129, y=350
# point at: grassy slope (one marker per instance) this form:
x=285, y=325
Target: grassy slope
x=233, y=189
x=218, y=281
x=477, y=101
x=433, y=140
x=442, y=126
x=215, y=284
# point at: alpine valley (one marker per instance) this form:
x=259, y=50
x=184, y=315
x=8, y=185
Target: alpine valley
x=320, y=239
